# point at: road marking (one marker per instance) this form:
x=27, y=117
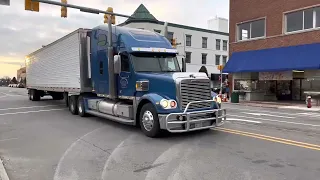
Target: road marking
x=27, y=112
x=264, y=111
x=272, y=120
x=57, y=171
x=261, y=114
x=235, y=119
x=29, y=107
x=115, y=157
x=8, y=139
x=310, y=114
x=271, y=138
x=3, y=172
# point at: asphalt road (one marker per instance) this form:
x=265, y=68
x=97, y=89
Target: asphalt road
x=42, y=140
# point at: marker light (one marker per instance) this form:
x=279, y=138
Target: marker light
x=173, y=104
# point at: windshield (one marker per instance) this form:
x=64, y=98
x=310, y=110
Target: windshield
x=155, y=62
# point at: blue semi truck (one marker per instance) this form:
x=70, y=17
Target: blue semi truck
x=135, y=79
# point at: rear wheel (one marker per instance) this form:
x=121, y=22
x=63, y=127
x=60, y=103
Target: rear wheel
x=81, y=108
x=73, y=103
x=34, y=95
x=149, y=121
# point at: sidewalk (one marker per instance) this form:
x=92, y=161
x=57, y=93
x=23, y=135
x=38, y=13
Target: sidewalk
x=277, y=105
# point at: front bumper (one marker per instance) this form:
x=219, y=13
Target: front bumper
x=194, y=120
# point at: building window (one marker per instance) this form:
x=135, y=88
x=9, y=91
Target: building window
x=158, y=31
x=170, y=35
x=204, y=58
x=204, y=42
x=188, y=57
x=225, y=45
x=251, y=30
x=224, y=60
x=188, y=40
x=217, y=60
x=302, y=20
x=218, y=42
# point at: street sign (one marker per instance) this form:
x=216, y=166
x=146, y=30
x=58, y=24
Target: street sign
x=5, y=2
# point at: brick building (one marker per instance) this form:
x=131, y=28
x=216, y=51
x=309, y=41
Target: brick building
x=274, y=48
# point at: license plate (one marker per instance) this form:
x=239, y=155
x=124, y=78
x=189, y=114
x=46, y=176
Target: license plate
x=197, y=125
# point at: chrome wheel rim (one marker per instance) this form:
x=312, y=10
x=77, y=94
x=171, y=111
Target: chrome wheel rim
x=80, y=107
x=147, y=120
x=72, y=106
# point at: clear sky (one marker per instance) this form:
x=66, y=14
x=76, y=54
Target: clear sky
x=22, y=32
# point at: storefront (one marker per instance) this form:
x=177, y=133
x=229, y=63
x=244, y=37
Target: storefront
x=284, y=73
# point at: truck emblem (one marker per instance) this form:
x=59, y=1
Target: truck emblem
x=192, y=76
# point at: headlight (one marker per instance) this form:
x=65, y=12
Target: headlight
x=168, y=104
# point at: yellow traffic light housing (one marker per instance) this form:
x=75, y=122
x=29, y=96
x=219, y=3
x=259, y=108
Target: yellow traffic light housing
x=174, y=42
x=64, y=10
x=107, y=16
x=30, y=5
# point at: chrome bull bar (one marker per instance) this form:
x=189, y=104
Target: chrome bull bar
x=220, y=117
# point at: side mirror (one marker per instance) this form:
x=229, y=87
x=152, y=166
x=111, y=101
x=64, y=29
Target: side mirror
x=117, y=64
x=184, y=65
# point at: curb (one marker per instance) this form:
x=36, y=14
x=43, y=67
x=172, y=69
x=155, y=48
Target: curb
x=276, y=107
x=3, y=172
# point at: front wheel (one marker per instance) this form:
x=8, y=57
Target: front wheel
x=149, y=121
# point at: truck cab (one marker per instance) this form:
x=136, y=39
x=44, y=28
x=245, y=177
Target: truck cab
x=151, y=90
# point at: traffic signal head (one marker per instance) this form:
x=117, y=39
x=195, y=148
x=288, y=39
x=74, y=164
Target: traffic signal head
x=106, y=16
x=31, y=6
x=64, y=10
x=174, y=42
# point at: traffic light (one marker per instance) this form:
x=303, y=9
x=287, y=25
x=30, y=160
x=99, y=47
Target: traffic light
x=174, y=42
x=106, y=16
x=30, y=5
x=64, y=9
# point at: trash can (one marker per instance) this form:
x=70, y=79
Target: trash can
x=235, y=97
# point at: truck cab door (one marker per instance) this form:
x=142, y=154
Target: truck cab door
x=126, y=83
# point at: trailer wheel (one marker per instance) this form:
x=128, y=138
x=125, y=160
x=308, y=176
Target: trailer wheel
x=34, y=95
x=81, y=108
x=73, y=102
x=149, y=121
x=66, y=99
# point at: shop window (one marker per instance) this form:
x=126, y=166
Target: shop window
x=302, y=20
x=251, y=30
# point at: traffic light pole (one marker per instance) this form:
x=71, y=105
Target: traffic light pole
x=81, y=8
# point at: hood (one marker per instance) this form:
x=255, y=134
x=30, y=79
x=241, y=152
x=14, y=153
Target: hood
x=173, y=75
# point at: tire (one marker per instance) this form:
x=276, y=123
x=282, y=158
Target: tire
x=66, y=99
x=34, y=95
x=81, y=108
x=73, y=102
x=148, y=111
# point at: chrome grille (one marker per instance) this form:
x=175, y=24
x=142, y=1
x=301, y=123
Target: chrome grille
x=195, y=90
